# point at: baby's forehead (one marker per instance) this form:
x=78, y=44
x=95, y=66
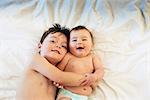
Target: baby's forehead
x=56, y=35
x=82, y=33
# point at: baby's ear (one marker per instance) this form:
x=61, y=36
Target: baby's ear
x=39, y=45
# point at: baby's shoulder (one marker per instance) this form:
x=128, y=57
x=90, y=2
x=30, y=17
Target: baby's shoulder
x=92, y=55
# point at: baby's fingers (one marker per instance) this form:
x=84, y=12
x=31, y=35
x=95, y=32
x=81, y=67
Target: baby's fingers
x=60, y=86
x=84, y=83
x=89, y=83
x=56, y=84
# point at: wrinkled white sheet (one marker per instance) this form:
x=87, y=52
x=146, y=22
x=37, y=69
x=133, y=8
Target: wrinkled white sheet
x=122, y=39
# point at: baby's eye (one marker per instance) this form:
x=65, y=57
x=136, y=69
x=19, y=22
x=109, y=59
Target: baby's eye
x=74, y=40
x=52, y=41
x=84, y=39
x=64, y=46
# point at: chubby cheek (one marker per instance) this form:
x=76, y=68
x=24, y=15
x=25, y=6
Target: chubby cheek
x=45, y=51
x=72, y=47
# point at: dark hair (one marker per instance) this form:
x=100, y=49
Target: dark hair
x=54, y=29
x=80, y=27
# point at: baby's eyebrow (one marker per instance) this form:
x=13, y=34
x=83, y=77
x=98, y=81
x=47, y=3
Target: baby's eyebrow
x=77, y=37
x=53, y=37
x=84, y=36
x=74, y=38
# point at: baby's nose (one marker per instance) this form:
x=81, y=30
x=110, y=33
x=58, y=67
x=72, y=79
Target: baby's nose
x=79, y=41
x=58, y=46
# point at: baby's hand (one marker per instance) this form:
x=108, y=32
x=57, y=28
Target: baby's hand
x=57, y=85
x=89, y=80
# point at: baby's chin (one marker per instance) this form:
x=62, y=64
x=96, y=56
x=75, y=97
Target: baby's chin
x=53, y=59
x=81, y=54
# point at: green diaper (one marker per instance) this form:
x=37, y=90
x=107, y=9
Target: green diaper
x=71, y=95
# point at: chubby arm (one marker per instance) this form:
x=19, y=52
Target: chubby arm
x=92, y=79
x=98, y=68
x=41, y=65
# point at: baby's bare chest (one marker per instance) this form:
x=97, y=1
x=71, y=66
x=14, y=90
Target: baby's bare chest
x=80, y=65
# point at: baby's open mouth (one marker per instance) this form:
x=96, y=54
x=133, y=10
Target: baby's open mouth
x=80, y=48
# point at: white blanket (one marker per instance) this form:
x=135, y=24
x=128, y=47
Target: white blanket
x=121, y=30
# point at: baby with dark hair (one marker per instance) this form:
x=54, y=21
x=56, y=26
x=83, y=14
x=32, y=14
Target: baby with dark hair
x=36, y=83
x=80, y=60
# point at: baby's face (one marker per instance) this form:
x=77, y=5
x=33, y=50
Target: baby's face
x=54, y=47
x=80, y=43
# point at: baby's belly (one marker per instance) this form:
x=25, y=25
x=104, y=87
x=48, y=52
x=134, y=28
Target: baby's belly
x=83, y=90
x=34, y=86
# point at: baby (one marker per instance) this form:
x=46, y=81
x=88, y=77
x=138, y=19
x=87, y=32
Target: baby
x=80, y=60
x=36, y=83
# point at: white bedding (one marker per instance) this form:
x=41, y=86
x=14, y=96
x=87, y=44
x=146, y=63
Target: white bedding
x=122, y=39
